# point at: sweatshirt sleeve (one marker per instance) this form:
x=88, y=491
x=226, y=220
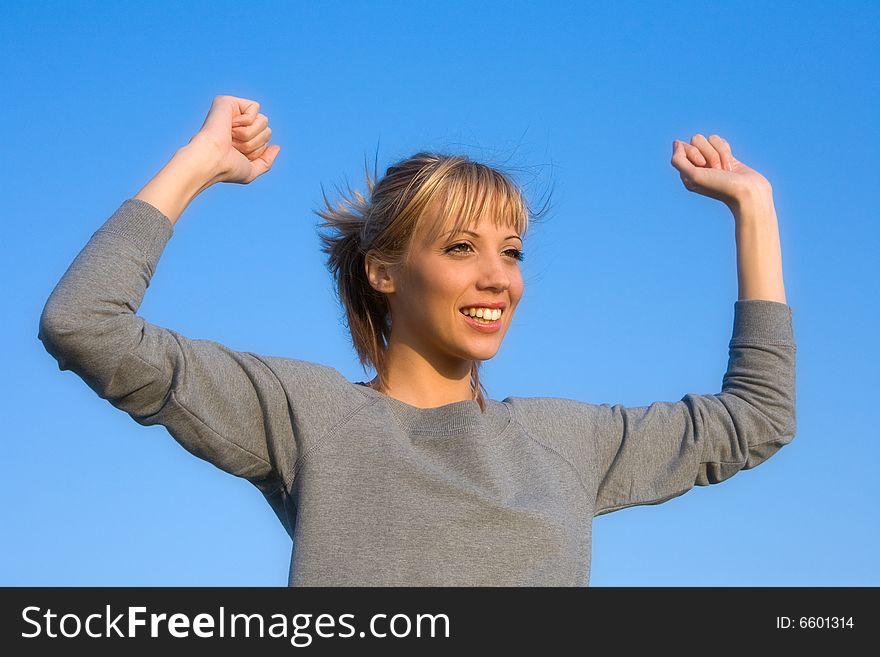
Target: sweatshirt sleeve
x=649, y=454
x=221, y=405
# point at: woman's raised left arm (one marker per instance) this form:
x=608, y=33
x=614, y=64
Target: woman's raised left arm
x=708, y=167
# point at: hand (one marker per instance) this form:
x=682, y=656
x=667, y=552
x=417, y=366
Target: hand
x=235, y=138
x=708, y=167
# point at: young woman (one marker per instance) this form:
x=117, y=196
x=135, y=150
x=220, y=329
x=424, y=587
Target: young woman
x=419, y=478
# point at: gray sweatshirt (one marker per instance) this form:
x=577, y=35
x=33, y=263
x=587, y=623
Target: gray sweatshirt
x=376, y=492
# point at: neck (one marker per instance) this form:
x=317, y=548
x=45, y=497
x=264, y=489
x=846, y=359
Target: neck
x=418, y=381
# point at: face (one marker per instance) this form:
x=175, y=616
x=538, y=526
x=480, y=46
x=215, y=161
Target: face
x=451, y=273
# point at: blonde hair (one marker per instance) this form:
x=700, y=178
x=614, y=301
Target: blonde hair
x=388, y=219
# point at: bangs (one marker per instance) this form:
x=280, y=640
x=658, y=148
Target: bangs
x=468, y=195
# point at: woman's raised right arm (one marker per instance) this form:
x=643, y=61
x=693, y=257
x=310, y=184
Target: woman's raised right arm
x=222, y=405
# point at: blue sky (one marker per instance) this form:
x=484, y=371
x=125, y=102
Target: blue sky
x=584, y=97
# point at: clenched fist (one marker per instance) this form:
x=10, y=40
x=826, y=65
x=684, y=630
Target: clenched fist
x=708, y=167
x=235, y=136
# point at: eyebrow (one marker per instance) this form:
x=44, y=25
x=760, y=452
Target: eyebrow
x=469, y=232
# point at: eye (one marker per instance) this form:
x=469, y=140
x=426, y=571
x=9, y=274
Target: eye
x=452, y=249
x=516, y=254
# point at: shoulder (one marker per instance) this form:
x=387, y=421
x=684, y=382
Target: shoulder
x=573, y=429
x=303, y=369
x=311, y=382
x=538, y=412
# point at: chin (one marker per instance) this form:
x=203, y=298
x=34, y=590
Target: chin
x=486, y=353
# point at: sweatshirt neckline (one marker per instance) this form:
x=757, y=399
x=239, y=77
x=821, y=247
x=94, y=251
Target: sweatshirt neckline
x=455, y=417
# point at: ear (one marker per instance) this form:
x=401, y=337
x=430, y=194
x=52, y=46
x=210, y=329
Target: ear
x=378, y=274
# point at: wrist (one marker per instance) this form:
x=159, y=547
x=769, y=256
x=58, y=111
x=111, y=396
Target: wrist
x=754, y=206
x=201, y=161
x=186, y=175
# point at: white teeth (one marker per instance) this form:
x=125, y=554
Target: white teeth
x=488, y=314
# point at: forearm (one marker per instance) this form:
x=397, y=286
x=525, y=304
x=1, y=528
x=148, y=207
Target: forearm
x=758, y=251
x=186, y=175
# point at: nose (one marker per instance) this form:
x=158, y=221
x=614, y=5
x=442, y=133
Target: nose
x=494, y=274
